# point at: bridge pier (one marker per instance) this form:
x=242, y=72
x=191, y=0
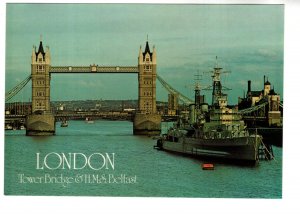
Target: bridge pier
x=147, y=124
x=40, y=124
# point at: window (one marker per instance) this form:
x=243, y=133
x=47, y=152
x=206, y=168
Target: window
x=40, y=68
x=147, y=67
x=40, y=82
x=40, y=93
x=40, y=104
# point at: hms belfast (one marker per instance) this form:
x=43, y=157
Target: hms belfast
x=215, y=132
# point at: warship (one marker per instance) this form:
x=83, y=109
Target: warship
x=216, y=132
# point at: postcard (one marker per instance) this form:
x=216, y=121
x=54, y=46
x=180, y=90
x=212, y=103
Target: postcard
x=144, y=100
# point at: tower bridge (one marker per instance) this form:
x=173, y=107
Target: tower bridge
x=41, y=121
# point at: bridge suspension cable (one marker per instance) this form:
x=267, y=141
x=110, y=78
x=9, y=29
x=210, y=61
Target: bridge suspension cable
x=170, y=89
x=10, y=94
x=252, y=109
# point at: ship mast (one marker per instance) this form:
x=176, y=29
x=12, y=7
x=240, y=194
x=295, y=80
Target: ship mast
x=197, y=91
x=217, y=87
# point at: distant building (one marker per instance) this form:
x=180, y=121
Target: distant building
x=253, y=98
x=172, y=104
x=18, y=108
x=61, y=107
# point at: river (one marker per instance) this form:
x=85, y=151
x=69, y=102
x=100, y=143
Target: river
x=138, y=169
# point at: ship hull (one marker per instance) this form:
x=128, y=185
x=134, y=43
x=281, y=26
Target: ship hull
x=239, y=149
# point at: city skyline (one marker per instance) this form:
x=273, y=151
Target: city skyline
x=248, y=40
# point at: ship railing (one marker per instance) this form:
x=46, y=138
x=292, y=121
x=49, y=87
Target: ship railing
x=225, y=135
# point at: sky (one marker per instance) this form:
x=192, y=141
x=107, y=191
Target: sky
x=248, y=40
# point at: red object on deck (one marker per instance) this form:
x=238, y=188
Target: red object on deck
x=208, y=166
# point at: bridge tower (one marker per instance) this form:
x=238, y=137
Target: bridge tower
x=146, y=120
x=40, y=66
x=41, y=121
x=147, y=80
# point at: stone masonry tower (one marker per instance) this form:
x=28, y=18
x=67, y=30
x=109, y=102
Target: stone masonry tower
x=40, y=66
x=147, y=80
x=146, y=120
x=40, y=121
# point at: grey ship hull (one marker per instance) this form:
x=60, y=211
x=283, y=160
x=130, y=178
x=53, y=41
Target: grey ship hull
x=239, y=149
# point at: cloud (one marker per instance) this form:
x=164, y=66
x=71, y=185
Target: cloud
x=267, y=53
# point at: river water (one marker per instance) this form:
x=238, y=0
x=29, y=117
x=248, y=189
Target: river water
x=139, y=170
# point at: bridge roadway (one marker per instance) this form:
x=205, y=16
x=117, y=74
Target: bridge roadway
x=78, y=116
x=93, y=115
x=93, y=69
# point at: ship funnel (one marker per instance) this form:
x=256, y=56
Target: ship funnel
x=249, y=86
